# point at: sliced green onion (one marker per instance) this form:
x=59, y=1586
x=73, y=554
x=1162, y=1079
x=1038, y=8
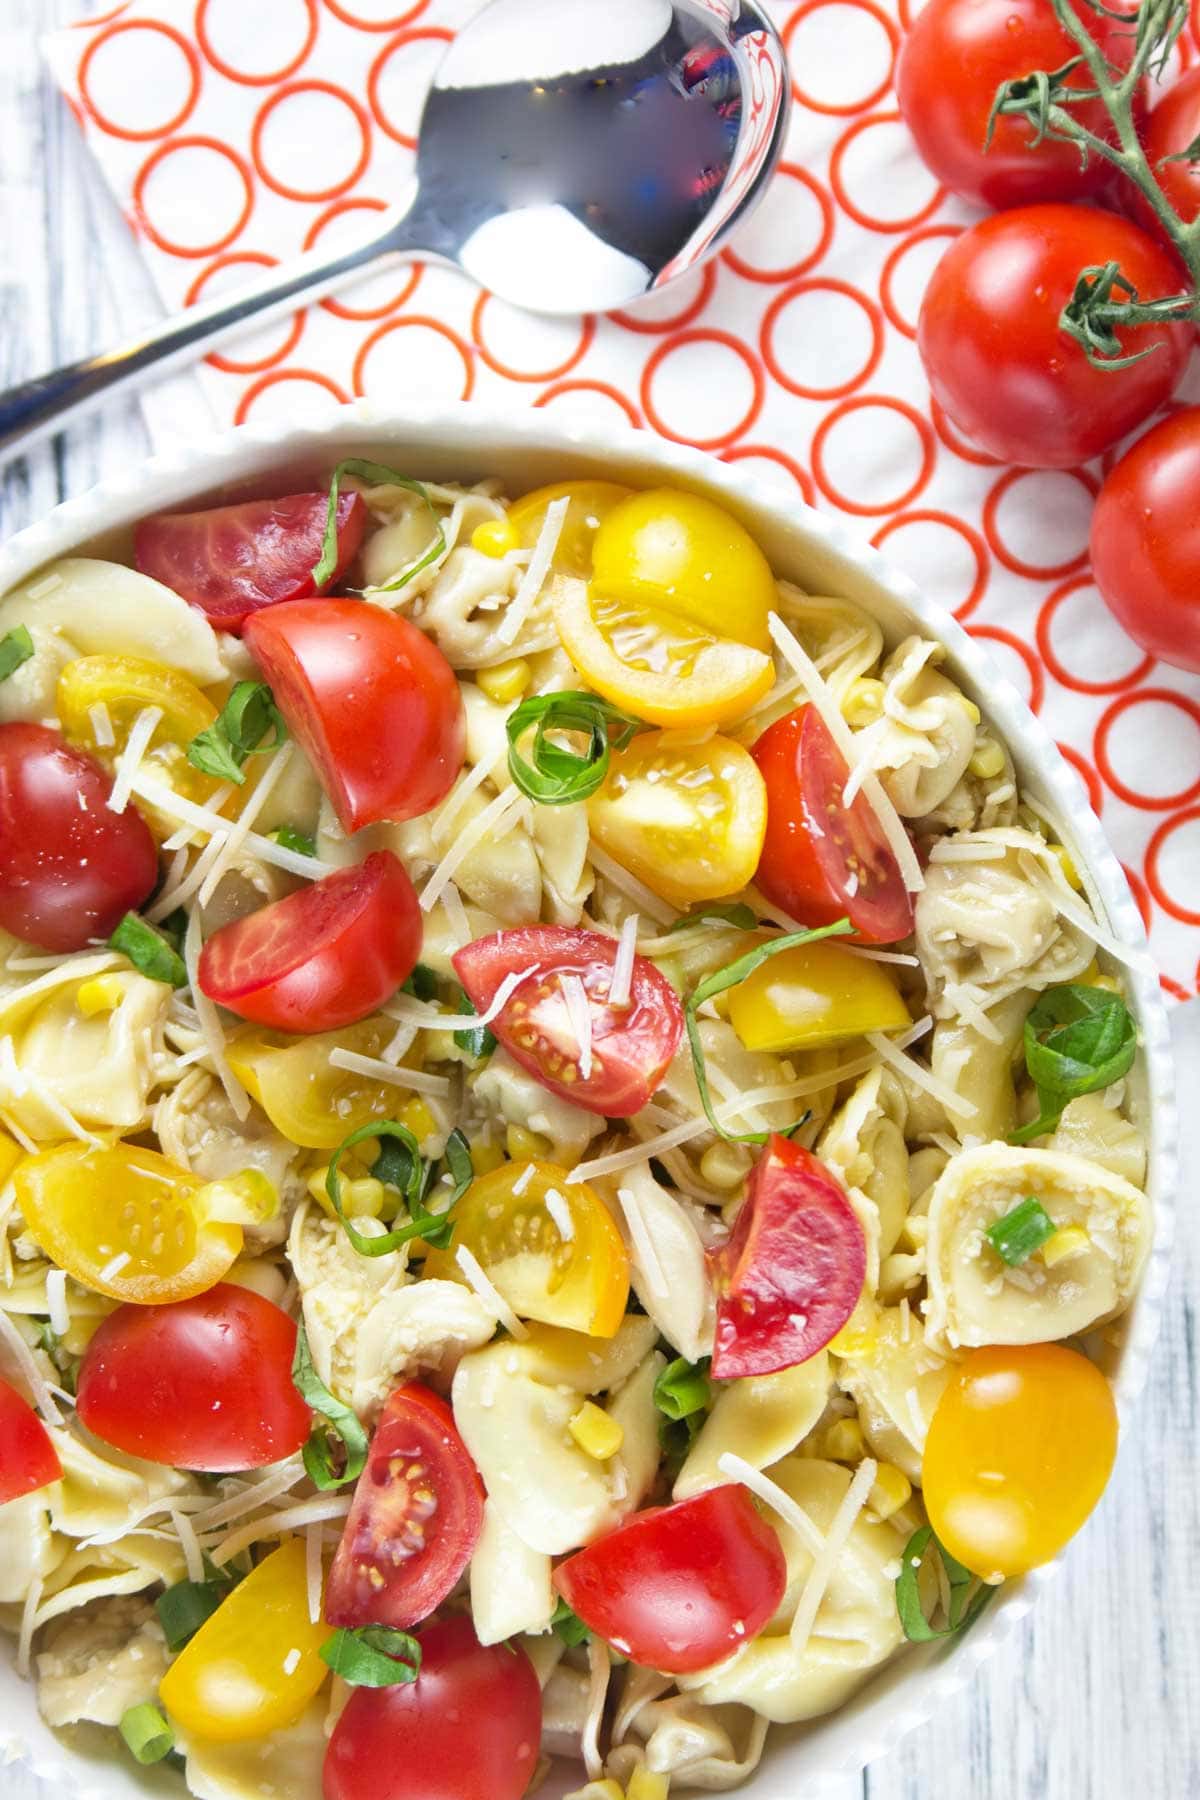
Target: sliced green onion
x=1077, y=1040
x=480, y=1040
x=406, y=1171
x=728, y=977
x=290, y=839
x=964, y=1608
x=183, y=1608
x=738, y=914
x=16, y=647
x=147, y=1734
x=376, y=475
x=149, y=951
x=569, y=1626
x=341, y=1440
x=174, y=926
x=373, y=1656
x=553, y=775
x=247, y=717
x=422, y=984
x=683, y=1388
x=1020, y=1232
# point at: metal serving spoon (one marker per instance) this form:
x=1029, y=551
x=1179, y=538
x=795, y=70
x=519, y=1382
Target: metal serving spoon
x=573, y=155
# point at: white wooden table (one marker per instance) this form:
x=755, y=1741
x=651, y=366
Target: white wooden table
x=1098, y=1697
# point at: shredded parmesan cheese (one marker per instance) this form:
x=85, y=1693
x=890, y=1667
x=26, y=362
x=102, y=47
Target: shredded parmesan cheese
x=209, y=1022
x=14, y=1131
x=559, y=1209
x=253, y=1495
x=921, y=1077
x=378, y=1070
x=33, y=1600
x=813, y=1591
x=600, y=1670
x=629, y=885
x=180, y=893
x=203, y=818
x=22, y=1361
x=579, y=1012
x=193, y=1556
x=492, y=1298
x=272, y=1525
x=453, y=805
x=102, y=727
x=789, y=1510
x=643, y=1242
x=536, y=571
x=494, y=818
x=240, y=830
x=621, y=986
x=56, y=1302
x=313, y=1571
x=129, y=761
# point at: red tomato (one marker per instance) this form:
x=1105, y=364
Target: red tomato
x=792, y=1272
x=322, y=958
x=822, y=861
x=1000, y=365
x=372, y=701
x=69, y=868
x=631, y=1045
x=1171, y=127
x=957, y=53
x=1146, y=540
x=680, y=1587
x=204, y=1383
x=28, y=1459
x=415, y=1521
x=468, y=1728
x=231, y=560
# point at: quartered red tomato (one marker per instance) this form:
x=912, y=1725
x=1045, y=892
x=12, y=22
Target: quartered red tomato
x=322, y=958
x=792, y=1272
x=231, y=560
x=415, y=1521
x=28, y=1460
x=628, y=1047
x=468, y=1728
x=823, y=861
x=69, y=868
x=371, y=700
x=680, y=1587
x=204, y=1383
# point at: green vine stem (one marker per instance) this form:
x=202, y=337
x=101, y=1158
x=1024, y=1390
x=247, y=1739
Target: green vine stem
x=1104, y=301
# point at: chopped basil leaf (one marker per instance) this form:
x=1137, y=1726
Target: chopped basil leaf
x=458, y=1161
x=375, y=475
x=675, y=1438
x=1020, y=1232
x=290, y=839
x=422, y=984
x=569, y=1626
x=247, y=717
x=175, y=925
x=373, y=1656
x=16, y=647
x=183, y=1608
x=554, y=775
x=480, y=1040
x=341, y=1440
x=412, y=1179
x=1077, y=1040
x=964, y=1608
x=147, y=1734
x=740, y=915
x=149, y=951
x=728, y=977
x=683, y=1388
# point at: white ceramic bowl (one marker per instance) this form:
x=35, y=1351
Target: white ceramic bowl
x=526, y=449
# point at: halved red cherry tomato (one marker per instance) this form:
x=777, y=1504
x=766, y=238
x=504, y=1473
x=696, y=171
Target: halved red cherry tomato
x=1171, y=127
x=415, y=1521
x=69, y=868
x=630, y=1046
x=204, y=1383
x=322, y=958
x=792, y=1272
x=370, y=699
x=231, y=560
x=468, y=1728
x=1146, y=539
x=28, y=1460
x=823, y=861
x=998, y=361
x=678, y=1588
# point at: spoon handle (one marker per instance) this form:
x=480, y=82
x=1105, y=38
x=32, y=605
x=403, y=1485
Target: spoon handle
x=45, y=404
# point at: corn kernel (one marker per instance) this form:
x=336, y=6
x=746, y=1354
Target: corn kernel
x=987, y=760
x=725, y=1165
x=362, y=1196
x=1067, y=864
x=102, y=994
x=495, y=537
x=598, y=1435
x=486, y=1157
x=250, y=1198
x=419, y=1120
x=645, y=1784
x=599, y=1790
x=864, y=701
x=525, y=1145
x=843, y=1441
x=506, y=682
x=1108, y=983
x=1068, y=1242
x=972, y=711
x=890, y=1491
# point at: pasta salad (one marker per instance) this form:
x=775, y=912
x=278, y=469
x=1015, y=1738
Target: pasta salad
x=565, y=1162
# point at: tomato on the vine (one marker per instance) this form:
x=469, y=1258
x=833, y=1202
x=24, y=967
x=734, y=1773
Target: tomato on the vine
x=1173, y=125
x=1146, y=540
x=998, y=361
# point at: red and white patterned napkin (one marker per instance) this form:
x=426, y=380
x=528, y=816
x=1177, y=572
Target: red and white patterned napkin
x=234, y=135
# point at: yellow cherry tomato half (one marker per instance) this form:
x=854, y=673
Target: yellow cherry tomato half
x=655, y=664
x=664, y=548
x=124, y=1222
x=815, y=994
x=306, y=1097
x=253, y=1666
x=687, y=818
x=1021, y=1445
x=125, y=686
x=589, y=504
x=512, y=1220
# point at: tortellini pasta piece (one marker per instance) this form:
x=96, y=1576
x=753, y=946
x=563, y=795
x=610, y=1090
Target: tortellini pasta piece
x=465, y=607
x=1090, y=1127
x=198, y=1128
x=561, y=837
x=976, y=1298
x=760, y=1418
x=676, y=1291
x=864, y=1145
x=857, y=1627
x=925, y=737
x=506, y=1093
x=103, y=1493
x=100, y=1067
x=511, y=1590
x=635, y=1466
x=29, y=1549
x=842, y=639
x=96, y=1664
x=733, y=1071
x=693, y=1744
x=286, y=1763
x=896, y=1380
x=979, y=1068
x=338, y=1290
x=132, y=1564
x=413, y=1333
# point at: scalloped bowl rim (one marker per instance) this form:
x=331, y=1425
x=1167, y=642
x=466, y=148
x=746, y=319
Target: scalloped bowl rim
x=910, y=1690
